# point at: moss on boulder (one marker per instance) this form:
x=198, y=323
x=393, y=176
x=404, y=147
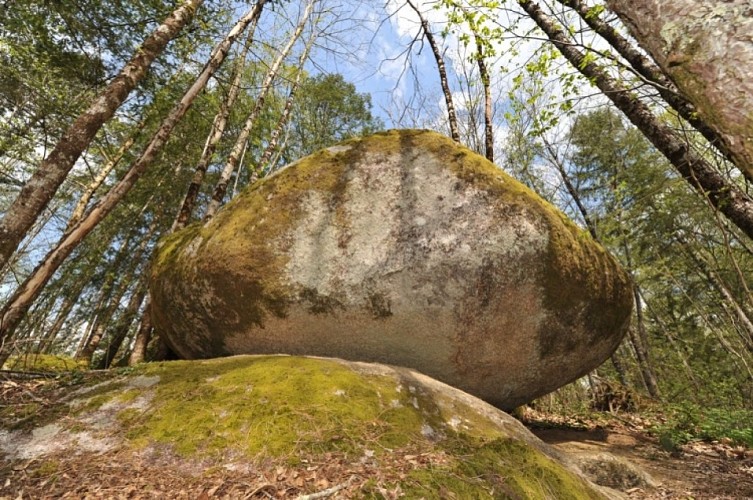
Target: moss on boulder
x=386, y=429
x=401, y=248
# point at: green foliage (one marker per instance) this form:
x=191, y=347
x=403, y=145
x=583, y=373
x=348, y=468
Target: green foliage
x=688, y=422
x=328, y=110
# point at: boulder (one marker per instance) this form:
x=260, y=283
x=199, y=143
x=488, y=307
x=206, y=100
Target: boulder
x=285, y=426
x=401, y=248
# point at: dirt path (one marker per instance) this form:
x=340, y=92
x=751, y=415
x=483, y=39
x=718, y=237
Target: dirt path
x=699, y=471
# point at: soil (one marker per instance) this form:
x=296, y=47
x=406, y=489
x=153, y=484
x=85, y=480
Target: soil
x=646, y=471
x=698, y=470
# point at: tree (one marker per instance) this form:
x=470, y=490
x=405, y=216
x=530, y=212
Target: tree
x=328, y=110
x=39, y=190
x=452, y=119
x=13, y=311
x=241, y=141
x=724, y=194
x=692, y=41
x=661, y=231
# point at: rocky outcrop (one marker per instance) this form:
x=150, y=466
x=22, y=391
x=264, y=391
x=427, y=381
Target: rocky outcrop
x=402, y=248
x=287, y=426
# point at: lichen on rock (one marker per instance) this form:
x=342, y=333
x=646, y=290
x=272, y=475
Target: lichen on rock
x=402, y=248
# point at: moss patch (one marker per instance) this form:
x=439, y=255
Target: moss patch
x=501, y=468
x=44, y=363
x=281, y=411
x=272, y=407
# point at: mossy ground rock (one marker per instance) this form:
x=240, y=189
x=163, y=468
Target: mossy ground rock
x=401, y=248
x=276, y=422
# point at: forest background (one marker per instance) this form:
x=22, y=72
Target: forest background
x=189, y=102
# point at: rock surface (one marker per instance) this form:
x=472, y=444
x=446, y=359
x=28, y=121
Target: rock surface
x=401, y=248
x=285, y=425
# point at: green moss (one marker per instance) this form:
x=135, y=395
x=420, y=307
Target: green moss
x=248, y=226
x=44, y=363
x=280, y=410
x=128, y=396
x=500, y=468
x=128, y=417
x=46, y=469
x=99, y=395
x=272, y=406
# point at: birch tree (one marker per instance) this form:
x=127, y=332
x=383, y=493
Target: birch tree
x=242, y=140
x=14, y=310
x=217, y=131
x=452, y=119
x=44, y=183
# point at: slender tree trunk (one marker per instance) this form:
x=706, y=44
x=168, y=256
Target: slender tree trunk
x=486, y=82
x=728, y=298
x=143, y=336
x=451, y=116
x=735, y=204
x=37, y=228
x=240, y=144
x=70, y=299
x=123, y=325
x=285, y=115
x=104, y=308
x=678, y=350
x=108, y=167
x=619, y=368
x=87, y=334
x=264, y=165
x=554, y=158
x=639, y=339
x=103, y=318
x=217, y=131
x=16, y=307
x=46, y=180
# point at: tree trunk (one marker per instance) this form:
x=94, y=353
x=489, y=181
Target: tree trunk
x=123, y=325
x=571, y=190
x=705, y=48
x=649, y=71
x=639, y=339
x=16, y=307
x=735, y=204
x=619, y=368
x=240, y=144
x=451, y=116
x=486, y=82
x=95, y=183
x=265, y=158
x=70, y=299
x=217, y=131
x=46, y=180
x=143, y=336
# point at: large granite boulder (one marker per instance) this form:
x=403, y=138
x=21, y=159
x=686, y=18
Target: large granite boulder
x=285, y=426
x=402, y=248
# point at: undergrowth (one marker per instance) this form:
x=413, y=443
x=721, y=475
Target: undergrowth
x=686, y=422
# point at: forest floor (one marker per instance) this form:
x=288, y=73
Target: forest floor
x=698, y=470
